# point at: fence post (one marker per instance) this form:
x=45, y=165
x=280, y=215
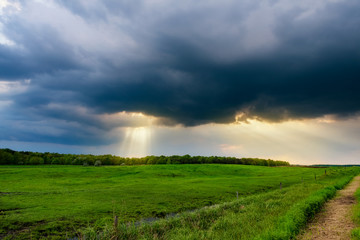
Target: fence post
x=116, y=220
x=237, y=195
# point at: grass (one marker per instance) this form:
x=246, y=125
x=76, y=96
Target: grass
x=57, y=201
x=278, y=214
x=289, y=225
x=355, y=234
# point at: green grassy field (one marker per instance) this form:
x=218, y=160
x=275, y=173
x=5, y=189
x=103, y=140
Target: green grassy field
x=58, y=201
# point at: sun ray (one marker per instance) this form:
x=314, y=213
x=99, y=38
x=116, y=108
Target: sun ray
x=136, y=142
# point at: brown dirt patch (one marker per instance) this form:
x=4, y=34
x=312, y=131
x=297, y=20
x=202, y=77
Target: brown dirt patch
x=334, y=221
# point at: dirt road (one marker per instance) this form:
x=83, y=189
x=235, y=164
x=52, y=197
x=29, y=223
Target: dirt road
x=334, y=221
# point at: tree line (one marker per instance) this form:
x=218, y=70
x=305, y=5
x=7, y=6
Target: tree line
x=11, y=157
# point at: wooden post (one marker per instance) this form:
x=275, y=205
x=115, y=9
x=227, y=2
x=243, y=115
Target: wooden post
x=237, y=195
x=280, y=185
x=116, y=220
x=325, y=171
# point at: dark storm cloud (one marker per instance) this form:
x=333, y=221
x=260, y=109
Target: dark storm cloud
x=188, y=63
x=276, y=87
x=312, y=70
x=41, y=52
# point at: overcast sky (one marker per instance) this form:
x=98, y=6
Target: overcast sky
x=251, y=78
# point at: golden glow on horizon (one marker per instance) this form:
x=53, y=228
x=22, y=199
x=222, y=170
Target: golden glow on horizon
x=303, y=141
x=326, y=119
x=296, y=141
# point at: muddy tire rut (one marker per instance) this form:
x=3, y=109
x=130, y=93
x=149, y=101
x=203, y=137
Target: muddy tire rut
x=334, y=221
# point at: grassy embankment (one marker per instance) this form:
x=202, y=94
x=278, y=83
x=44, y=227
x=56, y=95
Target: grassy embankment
x=356, y=216
x=57, y=201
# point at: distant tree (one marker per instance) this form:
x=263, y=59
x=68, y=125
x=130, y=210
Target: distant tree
x=6, y=157
x=36, y=160
x=55, y=161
